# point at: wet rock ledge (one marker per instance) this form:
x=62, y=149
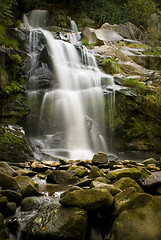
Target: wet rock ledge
x=102, y=198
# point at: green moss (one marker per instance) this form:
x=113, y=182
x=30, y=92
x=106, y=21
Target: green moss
x=3, y=78
x=110, y=66
x=140, y=87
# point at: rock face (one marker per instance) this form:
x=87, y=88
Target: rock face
x=14, y=146
x=56, y=223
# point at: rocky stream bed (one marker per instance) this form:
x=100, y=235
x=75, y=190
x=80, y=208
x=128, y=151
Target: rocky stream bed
x=102, y=198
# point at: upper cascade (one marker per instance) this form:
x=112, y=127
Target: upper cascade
x=36, y=18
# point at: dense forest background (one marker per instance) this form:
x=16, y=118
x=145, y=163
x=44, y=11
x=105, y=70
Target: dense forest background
x=92, y=12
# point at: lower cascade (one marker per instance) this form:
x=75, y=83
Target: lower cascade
x=67, y=115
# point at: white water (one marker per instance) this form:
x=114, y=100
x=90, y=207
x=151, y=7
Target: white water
x=71, y=120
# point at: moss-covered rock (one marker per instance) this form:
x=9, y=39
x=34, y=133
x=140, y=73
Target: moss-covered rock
x=111, y=188
x=96, y=172
x=100, y=158
x=127, y=182
x=59, y=223
x=130, y=198
x=150, y=161
x=80, y=170
x=12, y=196
x=35, y=202
x=3, y=232
x=30, y=190
x=28, y=186
x=88, y=199
x=8, y=182
x=62, y=176
x=133, y=173
x=140, y=222
x=14, y=146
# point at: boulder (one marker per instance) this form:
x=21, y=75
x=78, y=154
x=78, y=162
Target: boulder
x=8, y=182
x=141, y=221
x=12, y=196
x=5, y=167
x=79, y=170
x=127, y=182
x=61, y=223
x=111, y=188
x=30, y=190
x=96, y=172
x=3, y=231
x=129, y=198
x=153, y=183
x=89, y=199
x=28, y=186
x=127, y=30
x=150, y=161
x=90, y=34
x=7, y=208
x=62, y=177
x=133, y=173
x=14, y=146
x=35, y=202
x=100, y=158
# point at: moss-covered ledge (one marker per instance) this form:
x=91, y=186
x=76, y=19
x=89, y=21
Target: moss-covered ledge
x=14, y=146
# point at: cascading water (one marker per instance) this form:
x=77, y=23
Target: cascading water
x=69, y=118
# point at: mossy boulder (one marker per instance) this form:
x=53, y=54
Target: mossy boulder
x=79, y=170
x=111, y=188
x=5, y=167
x=61, y=223
x=141, y=221
x=150, y=161
x=100, y=158
x=28, y=186
x=99, y=180
x=96, y=172
x=89, y=199
x=8, y=182
x=133, y=173
x=12, y=196
x=35, y=202
x=7, y=208
x=14, y=146
x=127, y=182
x=62, y=177
x=130, y=198
x=3, y=231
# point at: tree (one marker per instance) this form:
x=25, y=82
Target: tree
x=6, y=12
x=140, y=10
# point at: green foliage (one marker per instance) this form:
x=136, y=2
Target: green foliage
x=13, y=88
x=140, y=10
x=106, y=11
x=16, y=58
x=5, y=40
x=3, y=78
x=137, y=45
x=85, y=42
x=110, y=66
x=6, y=14
x=140, y=88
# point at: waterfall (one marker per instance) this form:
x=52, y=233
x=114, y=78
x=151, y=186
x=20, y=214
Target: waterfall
x=69, y=118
